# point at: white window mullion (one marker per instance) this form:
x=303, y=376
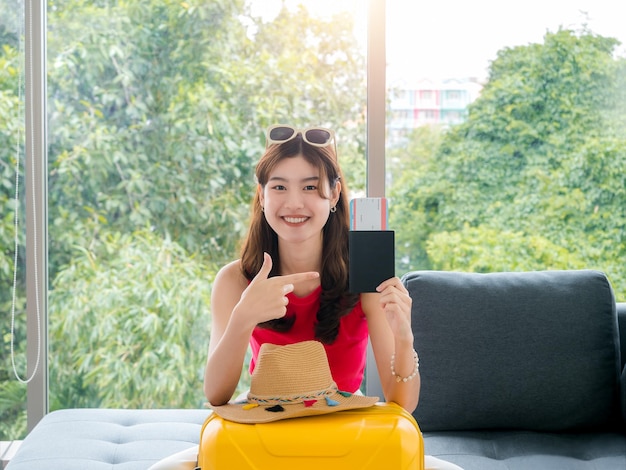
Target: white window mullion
x=376, y=98
x=376, y=111
x=36, y=210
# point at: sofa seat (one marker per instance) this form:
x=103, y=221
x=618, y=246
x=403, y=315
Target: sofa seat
x=525, y=450
x=111, y=439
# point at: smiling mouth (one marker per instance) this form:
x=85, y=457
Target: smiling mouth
x=295, y=220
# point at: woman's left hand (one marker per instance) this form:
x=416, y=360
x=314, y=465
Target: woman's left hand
x=396, y=303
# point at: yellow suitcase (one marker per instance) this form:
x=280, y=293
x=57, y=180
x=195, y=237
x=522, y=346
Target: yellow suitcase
x=383, y=436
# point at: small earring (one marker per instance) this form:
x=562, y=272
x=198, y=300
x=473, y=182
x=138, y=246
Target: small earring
x=333, y=209
x=262, y=209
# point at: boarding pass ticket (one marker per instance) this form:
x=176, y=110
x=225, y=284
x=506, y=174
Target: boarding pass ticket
x=368, y=213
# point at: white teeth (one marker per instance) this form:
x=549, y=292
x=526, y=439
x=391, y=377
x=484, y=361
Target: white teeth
x=295, y=220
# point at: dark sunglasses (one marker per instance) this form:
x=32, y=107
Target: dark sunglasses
x=316, y=136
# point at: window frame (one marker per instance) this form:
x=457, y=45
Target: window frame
x=36, y=210
x=36, y=177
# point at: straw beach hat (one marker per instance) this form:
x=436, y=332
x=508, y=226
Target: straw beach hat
x=288, y=382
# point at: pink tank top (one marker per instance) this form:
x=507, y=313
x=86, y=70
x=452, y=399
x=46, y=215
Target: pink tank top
x=346, y=356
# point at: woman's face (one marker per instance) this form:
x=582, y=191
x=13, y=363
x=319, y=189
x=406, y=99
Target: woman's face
x=292, y=203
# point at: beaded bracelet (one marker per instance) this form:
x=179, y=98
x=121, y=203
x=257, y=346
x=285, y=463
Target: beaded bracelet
x=415, y=368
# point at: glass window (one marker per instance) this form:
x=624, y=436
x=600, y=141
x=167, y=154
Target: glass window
x=13, y=292
x=157, y=117
x=521, y=164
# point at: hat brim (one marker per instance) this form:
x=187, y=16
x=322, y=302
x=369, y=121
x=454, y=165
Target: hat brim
x=247, y=413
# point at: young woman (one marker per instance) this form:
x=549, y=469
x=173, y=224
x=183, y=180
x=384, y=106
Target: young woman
x=291, y=283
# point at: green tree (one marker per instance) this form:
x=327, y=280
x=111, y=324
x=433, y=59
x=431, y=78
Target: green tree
x=481, y=249
x=407, y=164
x=140, y=129
x=129, y=326
x=542, y=154
x=168, y=120
x=312, y=72
x=12, y=397
x=164, y=132
x=156, y=118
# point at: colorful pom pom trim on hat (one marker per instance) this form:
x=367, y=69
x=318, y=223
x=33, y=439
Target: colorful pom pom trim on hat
x=308, y=403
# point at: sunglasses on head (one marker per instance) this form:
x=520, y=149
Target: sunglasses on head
x=316, y=136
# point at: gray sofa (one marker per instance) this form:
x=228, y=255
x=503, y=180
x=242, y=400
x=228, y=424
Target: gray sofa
x=519, y=371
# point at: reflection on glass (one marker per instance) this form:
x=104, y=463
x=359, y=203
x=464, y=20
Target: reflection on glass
x=506, y=142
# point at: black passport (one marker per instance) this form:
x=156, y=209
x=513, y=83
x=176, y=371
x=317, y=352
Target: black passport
x=372, y=259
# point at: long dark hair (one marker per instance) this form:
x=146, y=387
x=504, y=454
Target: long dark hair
x=335, y=300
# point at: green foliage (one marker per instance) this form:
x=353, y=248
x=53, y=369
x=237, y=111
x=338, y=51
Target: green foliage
x=9, y=129
x=129, y=326
x=149, y=137
x=163, y=124
x=156, y=121
x=12, y=393
x=156, y=118
x=536, y=177
x=483, y=250
x=407, y=165
x=12, y=408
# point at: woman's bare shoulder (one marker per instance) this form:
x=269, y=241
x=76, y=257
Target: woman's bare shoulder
x=231, y=277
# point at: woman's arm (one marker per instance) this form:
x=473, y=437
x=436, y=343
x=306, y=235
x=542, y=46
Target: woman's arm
x=389, y=322
x=229, y=339
x=236, y=308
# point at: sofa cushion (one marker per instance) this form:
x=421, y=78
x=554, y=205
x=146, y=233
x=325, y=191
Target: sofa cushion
x=113, y=439
x=526, y=450
x=530, y=351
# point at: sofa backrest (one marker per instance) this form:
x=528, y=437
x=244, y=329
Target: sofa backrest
x=621, y=321
x=533, y=350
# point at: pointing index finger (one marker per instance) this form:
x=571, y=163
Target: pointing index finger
x=299, y=277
